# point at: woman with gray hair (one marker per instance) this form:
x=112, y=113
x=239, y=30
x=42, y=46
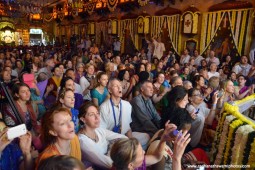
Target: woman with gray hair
x=187, y=84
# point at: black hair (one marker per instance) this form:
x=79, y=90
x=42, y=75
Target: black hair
x=15, y=89
x=63, y=82
x=67, y=70
x=241, y=76
x=191, y=91
x=196, y=79
x=143, y=75
x=137, y=70
x=54, y=68
x=121, y=75
x=178, y=116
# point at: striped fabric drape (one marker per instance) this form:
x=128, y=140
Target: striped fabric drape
x=241, y=27
x=210, y=24
x=101, y=27
x=240, y=23
x=173, y=25
x=131, y=25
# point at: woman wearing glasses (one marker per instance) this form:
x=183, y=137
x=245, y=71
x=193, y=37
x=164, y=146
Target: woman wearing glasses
x=201, y=114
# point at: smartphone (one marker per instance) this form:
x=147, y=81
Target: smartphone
x=220, y=93
x=175, y=133
x=16, y=131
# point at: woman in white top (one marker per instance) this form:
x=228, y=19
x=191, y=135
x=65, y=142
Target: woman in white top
x=95, y=141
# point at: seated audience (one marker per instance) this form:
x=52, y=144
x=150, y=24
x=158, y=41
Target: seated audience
x=68, y=83
x=58, y=135
x=144, y=115
x=115, y=114
x=100, y=92
x=128, y=153
x=15, y=154
x=95, y=141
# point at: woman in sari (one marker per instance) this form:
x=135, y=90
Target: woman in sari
x=50, y=95
x=243, y=90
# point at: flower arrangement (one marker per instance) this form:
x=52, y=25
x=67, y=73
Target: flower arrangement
x=234, y=142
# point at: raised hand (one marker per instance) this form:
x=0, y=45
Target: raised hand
x=4, y=140
x=25, y=142
x=169, y=128
x=180, y=143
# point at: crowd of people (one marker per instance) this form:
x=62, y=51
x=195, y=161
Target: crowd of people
x=98, y=109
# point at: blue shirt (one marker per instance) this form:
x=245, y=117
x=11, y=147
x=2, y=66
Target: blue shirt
x=100, y=97
x=11, y=157
x=75, y=119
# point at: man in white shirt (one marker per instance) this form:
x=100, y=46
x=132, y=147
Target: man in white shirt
x=116, y=112
x=116, y=47
x=198, y=58
x=212, y=58
x=213, y=71
x=159, y=48
x=242, y=68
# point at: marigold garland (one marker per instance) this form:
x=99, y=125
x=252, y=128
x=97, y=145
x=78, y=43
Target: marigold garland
x=230, y=137
x=216, y=141
x=235, y=136
x=240, y=143
x=248, y=149
x=222, y=139
x=251, y=161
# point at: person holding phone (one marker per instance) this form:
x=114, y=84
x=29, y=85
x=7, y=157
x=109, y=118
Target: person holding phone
x=177, y=100
x=203, y=116
x=21, y=95
x=15, y=154
x=128, y=153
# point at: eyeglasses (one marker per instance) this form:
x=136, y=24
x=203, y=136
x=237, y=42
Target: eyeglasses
x=199, y=95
